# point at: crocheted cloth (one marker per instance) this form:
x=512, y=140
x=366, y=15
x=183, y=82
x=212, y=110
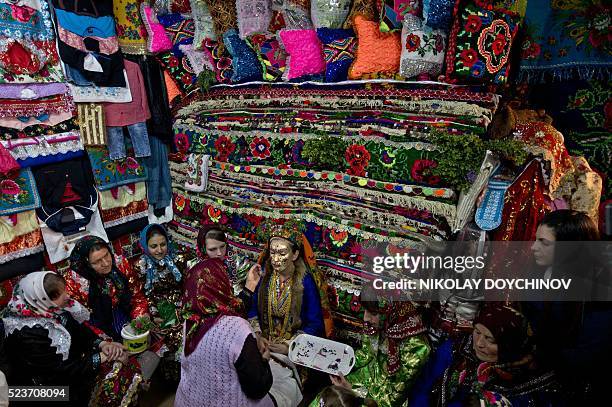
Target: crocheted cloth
x=208, y=377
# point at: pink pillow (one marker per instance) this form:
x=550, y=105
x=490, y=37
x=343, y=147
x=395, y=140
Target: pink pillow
x=305, y=53
x=157, y=40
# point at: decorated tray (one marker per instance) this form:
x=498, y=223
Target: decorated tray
x=322, y=354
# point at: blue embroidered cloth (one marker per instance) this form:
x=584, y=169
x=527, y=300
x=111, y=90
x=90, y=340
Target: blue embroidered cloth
x=113, y=173
x=18, y=193
x=567, y=39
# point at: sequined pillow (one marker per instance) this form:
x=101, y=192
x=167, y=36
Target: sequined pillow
x=223, y=13
x=377, y=53
x=203, y=21
x=479, y=43
x=339, y=47
x=329, y=13
x=253, y=16
x=422, y=48
x=244, y=61
x=179, y=29
x=305, y=53
x=365, y=8
x=438, y=14
x=296, y=14
x=392, y=12
x=270, y=53
x=220, y=59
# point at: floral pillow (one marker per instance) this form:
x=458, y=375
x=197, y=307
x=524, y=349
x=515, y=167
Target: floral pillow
x=480, y=42
x=220, y=59
x=422, y=48
x=339, y=47
x=271, y=55
x=177, y=65
x=179, y=29
x=378, y=53
x=203, y=21
x=244, y=61
x=305, y=53
x=223, y=13
x=392, y=13
x=253, y=16
x=438, y=14
x=365, y=8
x=329, y=13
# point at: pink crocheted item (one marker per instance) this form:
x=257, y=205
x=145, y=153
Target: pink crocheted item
x=157, y=40
x=305, y=53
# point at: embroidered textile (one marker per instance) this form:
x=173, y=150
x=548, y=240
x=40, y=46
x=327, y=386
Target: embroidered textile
x=91, y=124
x=22, y=246
x=113, y=173
x=270, y=53
x=52, y=104
x=480, y=42
x=131, y=31
x=18, y=192
x=29, y=20
x=27, y=61
x=339, y=47
x=566, y=39
x=204, y=27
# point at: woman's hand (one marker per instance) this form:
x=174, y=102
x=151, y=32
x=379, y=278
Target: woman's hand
x=340, y=381
x=262, y=343
x=253, y=276
x=112, y=350
x=279, y=348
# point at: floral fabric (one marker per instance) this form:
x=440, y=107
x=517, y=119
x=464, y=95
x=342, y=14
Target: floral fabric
x=204, y=27
x=113, y=173
x=178, y=67
x=131, y=31
x=565, y=38
x=480, y=42
x=422, y=49
x=220, y=59
x=18, y=192
x=27, y=61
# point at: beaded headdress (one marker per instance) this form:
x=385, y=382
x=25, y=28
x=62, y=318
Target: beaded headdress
x=291, y=230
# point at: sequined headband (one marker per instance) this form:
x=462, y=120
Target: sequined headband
x=291, y=230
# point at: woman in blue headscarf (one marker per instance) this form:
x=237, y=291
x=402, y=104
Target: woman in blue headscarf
x=162, y=282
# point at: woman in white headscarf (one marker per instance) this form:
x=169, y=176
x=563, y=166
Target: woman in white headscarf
x=51, y=344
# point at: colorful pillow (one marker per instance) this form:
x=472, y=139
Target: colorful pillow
x=244, y=61
x=270, y=53
x=277, y=22
x=305, y=53
x=203, y=21
x=339, y=47
x=296, y=14
x=179, y=29
x=377, y=53
x=253, y=16
x=157, y=40
x=178, y=67
x=422, y=48
x=480, y=42
x=220, y=59
x=392, y=13
x=438, y=14
x=329, y=13
x=198, y=60
x=223, y=13
x=365, y=8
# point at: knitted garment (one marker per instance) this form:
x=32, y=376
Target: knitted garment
x=208, y=376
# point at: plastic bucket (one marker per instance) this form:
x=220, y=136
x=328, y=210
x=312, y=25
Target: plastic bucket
x=134, y=343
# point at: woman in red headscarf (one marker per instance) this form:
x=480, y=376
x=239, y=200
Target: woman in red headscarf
x=221, y=364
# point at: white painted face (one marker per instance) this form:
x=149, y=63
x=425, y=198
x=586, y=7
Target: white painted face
x=282, y=255
x=543, y=248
